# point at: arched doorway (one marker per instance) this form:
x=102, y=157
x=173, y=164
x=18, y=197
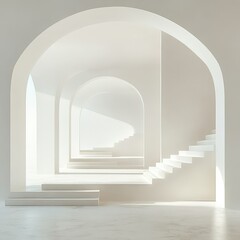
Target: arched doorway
x=107, y=120
x=80, y=20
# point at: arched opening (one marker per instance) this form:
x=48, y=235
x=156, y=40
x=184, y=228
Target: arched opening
x=107, y=123
x=31, y=129
x=87, y=18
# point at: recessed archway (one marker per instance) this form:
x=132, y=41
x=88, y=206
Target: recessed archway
x=105, y=111
x=112, y=14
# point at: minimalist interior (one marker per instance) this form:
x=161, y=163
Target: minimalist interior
x=117, y=107
x=122, y=107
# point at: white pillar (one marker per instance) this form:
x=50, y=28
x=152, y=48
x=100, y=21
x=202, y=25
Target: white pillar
x=45, y=133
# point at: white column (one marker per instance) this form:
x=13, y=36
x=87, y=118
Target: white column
x=45, y=133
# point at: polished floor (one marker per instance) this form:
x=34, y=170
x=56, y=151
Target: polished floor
x=173, y=221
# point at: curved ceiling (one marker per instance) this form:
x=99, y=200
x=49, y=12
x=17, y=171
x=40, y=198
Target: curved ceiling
x=114, y=98
x=96, y=50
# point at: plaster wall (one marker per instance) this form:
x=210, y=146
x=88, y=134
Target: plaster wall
x=212, y=22
x=64, y=138
x=45, y=133
x=188, y=99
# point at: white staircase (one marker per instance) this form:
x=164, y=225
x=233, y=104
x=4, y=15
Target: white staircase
x=161, y=169
x=101, y=162
x=96, y=153
x=54, y=198
x=69, y=189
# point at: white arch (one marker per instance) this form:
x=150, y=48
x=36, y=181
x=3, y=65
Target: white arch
x=74, y=91
x=96, y=86
x=86, y=18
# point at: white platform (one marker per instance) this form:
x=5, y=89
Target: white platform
x=54, y=198
x=103, y=162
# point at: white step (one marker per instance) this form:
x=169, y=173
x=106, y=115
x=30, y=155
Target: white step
x=210, y=136
x=95, y=153
x=107, y=162
x=92, y=155
x=157, y=172
x=107, y=159
x=213, y=131
x=101, y=171
x=164, y=167
x=172, y=163
x=62, y=186
x=149, y=177
x=204, y=148
x=191, y=153
x=57, y=194
x=183, y=159
x=207, y=142
x=103, y=166
x=52, y=202
x=103, y=149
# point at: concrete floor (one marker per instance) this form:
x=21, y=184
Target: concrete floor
x=180, y=221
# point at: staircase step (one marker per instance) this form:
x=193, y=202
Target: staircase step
x=157, y=172
x=149, y=177
x=57, y=194
x=164, y=167
x=95, y=153
x=92, y=155
x=207, y=142
x=103, y=166
x=106, y=159
x=213, y=131
x=107, y=162
x=172, y=163
x=183, y=159
x=52, y=202
x=204, y=148
x=191, y=153
x=103, y=149
x=210, y=136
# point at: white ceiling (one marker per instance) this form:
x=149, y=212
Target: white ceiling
x=96, y=50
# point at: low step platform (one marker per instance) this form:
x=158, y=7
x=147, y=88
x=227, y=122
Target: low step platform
x=54, y=198
x=52, y=202
x=106, y=162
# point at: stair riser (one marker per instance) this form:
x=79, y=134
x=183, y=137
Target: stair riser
x=210, y=137
x=204, y=148
x=181, y=159
x=206, y=142
x=157, y=173
x=165, y=168
x=172, y=163
x=191, y=154
x=148, y=176
x=51, y=202
x=55, y=195
x=105, y=166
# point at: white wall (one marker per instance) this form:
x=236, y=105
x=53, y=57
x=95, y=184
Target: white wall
x=22, y=22
x=98, y=130
x=45, y=133
x=64, y=136
x=74, y=130
x=31, y=128
x=188, y=98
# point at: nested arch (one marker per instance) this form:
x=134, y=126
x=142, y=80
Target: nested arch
x=44, y=40
x=104, y=111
